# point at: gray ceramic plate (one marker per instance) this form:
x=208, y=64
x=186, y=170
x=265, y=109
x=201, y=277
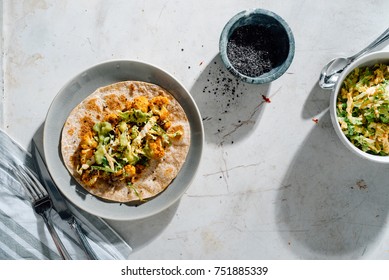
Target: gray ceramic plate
x=79, y=88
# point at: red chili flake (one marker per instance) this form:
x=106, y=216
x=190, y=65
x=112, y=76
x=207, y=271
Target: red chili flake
x=315, y=120
x=267, y=100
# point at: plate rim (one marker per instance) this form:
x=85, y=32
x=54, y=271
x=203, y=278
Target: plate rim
x=198, y=135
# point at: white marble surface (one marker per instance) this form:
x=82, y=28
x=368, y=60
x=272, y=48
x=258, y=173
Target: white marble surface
x=273, y=184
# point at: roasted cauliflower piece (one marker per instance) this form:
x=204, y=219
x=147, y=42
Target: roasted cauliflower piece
x=158, y=107
x=156, y=149
x=87, y=141
x=141, y=103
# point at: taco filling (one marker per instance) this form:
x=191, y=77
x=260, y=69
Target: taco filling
x=133, y=149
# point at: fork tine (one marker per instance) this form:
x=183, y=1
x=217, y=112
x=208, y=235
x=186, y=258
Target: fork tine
x=32, y=184
x=25, y=184
x=34, y=180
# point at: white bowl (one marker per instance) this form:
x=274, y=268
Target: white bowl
x=366, y=60
x=76, y=90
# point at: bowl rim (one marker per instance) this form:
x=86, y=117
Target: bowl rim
x=365, y=60
x=266, y=77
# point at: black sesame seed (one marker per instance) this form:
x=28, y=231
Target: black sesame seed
x=256, y=49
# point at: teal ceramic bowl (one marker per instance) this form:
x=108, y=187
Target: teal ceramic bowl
x=257, y=46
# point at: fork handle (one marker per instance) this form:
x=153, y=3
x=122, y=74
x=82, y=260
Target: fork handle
x=57, y=241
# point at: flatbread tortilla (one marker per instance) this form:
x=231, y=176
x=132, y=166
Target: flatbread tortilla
x=149, y=179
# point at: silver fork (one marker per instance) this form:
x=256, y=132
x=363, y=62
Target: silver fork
x=41, y=203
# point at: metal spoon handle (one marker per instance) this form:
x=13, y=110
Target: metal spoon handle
x=380, y=39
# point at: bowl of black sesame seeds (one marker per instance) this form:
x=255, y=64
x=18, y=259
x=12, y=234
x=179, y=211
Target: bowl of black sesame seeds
x=257, y=46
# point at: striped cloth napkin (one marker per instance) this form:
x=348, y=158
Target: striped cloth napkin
x=23, y=234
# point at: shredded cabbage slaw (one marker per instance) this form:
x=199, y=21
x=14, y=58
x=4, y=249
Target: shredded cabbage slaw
x=122, y=144
x=363, y=108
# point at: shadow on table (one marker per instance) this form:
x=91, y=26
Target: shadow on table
x=317, y=102
x=332, y=204
x=229, y=108
x=140, y=233
x=137, y=233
